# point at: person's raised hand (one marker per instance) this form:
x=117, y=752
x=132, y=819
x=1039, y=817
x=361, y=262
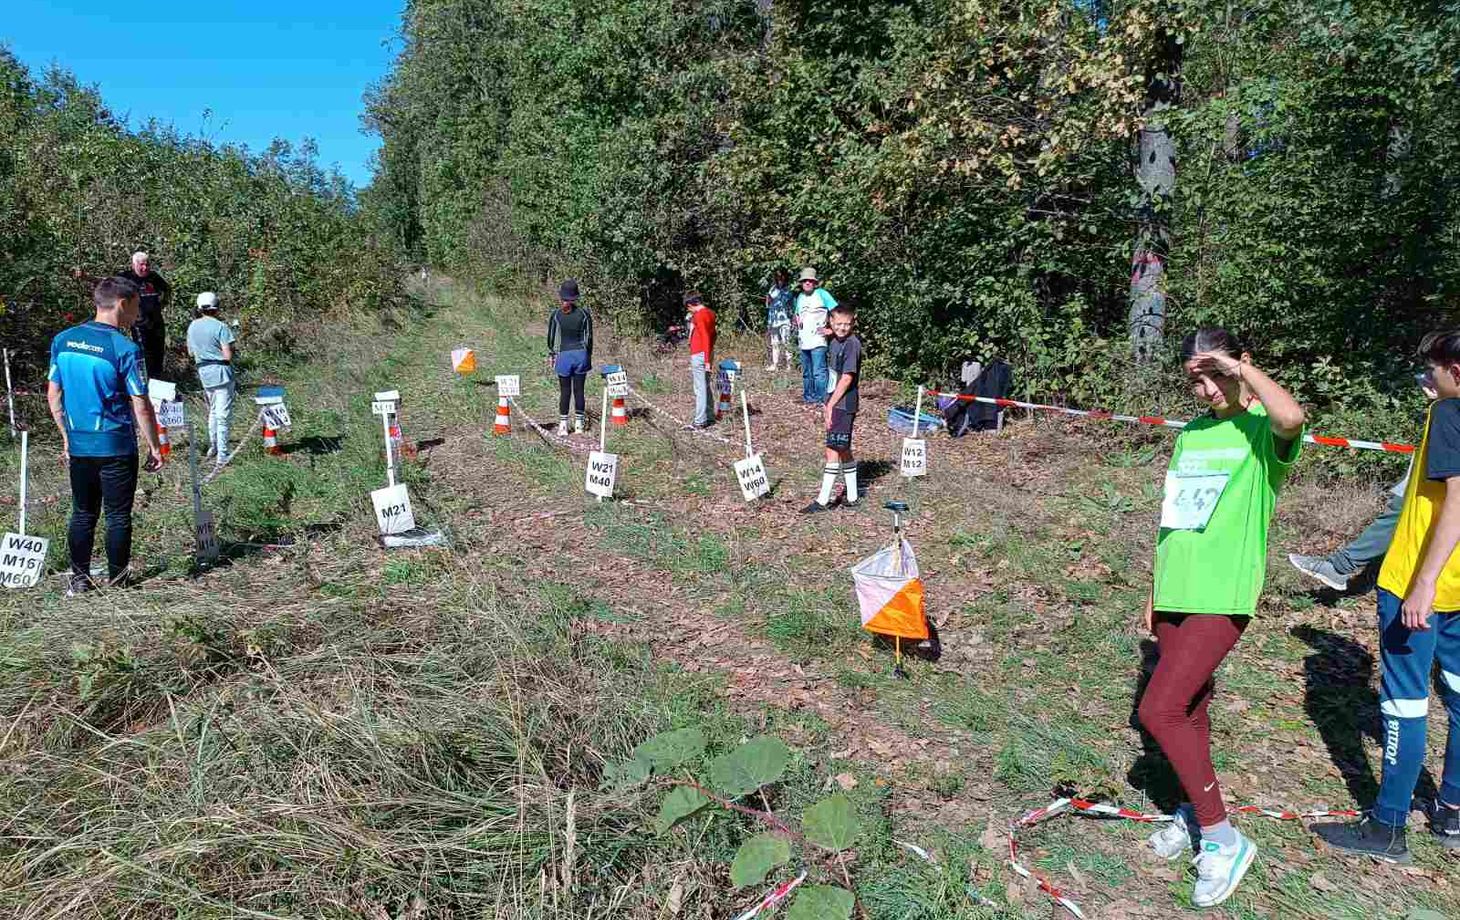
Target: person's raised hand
x=1216, y=363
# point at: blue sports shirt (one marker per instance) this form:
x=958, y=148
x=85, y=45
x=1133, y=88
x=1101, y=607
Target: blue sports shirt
x=98, y=369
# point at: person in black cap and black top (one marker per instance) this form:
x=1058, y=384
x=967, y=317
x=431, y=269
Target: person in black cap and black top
x=570, y=353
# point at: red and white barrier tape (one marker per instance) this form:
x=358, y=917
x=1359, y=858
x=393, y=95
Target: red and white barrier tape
x=773, y=897
x=546, y=435
x=1079, y=806
x=1161, y=421
x=678, y=421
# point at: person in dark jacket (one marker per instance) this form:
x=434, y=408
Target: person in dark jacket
x=154, y=296
x=570, y=353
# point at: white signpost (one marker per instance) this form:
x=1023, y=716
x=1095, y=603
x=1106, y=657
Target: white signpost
x=509, y=385
x=602, y=466
x=273, y=413
x=171, y=413
x=750, y=473
x=393, y=509
x=22, y=558
x=616, y=382
x=385, y=402
x=915, y=449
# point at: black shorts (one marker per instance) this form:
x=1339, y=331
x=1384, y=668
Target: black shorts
x=839, y=435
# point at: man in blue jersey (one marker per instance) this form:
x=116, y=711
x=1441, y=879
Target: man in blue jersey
x=97, y=390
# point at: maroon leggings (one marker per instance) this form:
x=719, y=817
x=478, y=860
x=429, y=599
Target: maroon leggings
x=1174, y=709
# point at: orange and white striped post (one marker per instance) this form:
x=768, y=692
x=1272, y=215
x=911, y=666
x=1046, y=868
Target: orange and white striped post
x=164, y=445
x=503, y=424
x=620, y=411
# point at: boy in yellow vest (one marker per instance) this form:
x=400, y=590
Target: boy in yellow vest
x=1419, y=623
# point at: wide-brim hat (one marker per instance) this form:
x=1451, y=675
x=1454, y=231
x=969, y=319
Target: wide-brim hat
x=808, y=274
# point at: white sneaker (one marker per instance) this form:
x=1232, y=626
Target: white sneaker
x=1219, y=869
x=562, y=431
x=577, y=426
x=1178, y=836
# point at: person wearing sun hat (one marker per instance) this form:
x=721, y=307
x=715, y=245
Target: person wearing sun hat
x=813, y=306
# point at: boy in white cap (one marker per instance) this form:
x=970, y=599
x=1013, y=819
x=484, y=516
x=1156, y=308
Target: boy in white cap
x=210, y=343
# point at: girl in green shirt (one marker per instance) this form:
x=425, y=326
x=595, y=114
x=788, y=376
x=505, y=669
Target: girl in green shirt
x=1211, y=555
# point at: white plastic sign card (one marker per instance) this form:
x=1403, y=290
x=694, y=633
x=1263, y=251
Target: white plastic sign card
x=392, y=396
x=393, y=509
x=509, y=385
x=617, y=383
x=751, y=475
x=172, y=413
x=207, y=538
x=275, y=415
x=914, y=457
x=602, y=474
x=22, y=559
x=159, y=390
x=1190, y=500
x=382, y=407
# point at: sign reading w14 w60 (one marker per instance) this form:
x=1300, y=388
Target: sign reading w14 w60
x=22, y=559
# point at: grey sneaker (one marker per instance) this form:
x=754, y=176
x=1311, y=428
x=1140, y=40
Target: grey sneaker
x=1320, y=568
x=562, y=431
x=78, y=584
x=1180, y=836
x=579, y=425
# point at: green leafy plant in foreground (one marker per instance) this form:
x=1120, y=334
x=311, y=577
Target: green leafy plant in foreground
x=828, y=828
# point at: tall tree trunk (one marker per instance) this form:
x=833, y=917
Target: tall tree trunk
x=1156, y=174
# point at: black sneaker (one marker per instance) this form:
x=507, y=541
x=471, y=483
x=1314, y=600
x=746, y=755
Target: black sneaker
x=1445, y=825
x=78, y=584
x=851, y=505
x=815, y=507
x=1366, y=837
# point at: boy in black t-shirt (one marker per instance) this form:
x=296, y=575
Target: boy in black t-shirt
x=844, y=363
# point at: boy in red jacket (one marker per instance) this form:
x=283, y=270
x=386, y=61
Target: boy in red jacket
x=701, y=354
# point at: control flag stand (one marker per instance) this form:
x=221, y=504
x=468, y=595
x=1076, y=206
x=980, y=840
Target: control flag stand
x=393, y=511
x=890, y=592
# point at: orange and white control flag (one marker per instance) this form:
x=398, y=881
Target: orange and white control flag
x=890, y=593
x=463, y=360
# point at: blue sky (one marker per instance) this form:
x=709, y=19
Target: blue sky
x=264, y=69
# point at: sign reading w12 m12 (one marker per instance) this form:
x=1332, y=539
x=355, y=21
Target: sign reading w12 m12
x=914, y=457
x=602, y=474
x=22, y=559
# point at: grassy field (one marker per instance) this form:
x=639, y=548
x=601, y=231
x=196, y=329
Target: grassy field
x=319, y=728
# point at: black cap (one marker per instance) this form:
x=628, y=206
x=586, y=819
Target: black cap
x=568, y=290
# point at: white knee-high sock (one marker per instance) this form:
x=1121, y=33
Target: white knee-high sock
x=850, y=470
x=828, y=479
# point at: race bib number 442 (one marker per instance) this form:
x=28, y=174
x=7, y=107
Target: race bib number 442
x=1190, y=500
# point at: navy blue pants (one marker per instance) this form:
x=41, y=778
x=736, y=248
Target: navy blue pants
x=98, y=482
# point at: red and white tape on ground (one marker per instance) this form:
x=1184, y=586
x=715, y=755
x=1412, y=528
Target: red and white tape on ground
x=1163, y=422
x=1079, y=806
x=676, y=420
x=546, y=435
x=773, y=897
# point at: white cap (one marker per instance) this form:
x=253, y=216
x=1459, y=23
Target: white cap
x=207, y=301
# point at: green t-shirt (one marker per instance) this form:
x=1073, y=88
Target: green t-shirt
x=1219, y=567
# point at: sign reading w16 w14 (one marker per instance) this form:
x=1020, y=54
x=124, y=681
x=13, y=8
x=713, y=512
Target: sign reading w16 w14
x=22, y=559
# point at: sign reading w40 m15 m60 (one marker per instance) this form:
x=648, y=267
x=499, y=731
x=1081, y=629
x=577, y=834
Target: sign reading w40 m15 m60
x=22, y=559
